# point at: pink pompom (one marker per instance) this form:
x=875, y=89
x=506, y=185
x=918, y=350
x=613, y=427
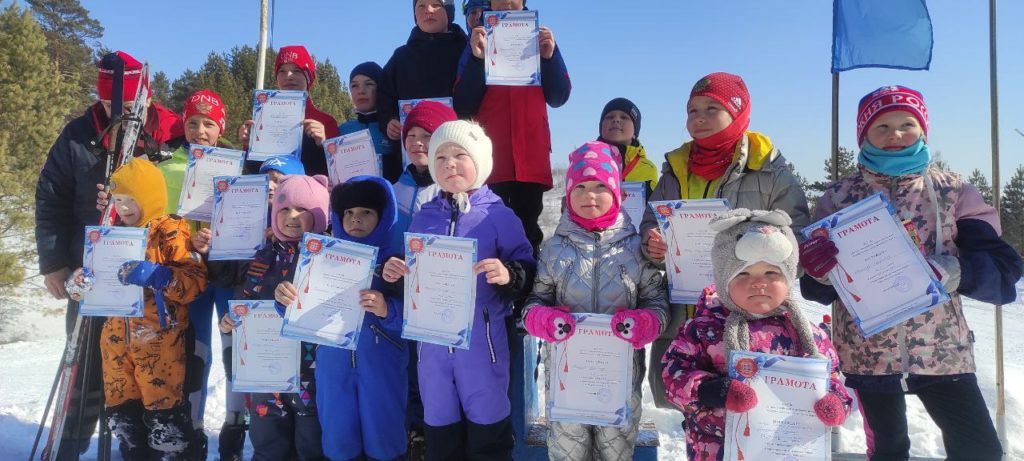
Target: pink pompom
x=830, y=410
x=741, y=397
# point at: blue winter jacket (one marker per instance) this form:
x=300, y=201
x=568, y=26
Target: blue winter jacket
x=412, y=190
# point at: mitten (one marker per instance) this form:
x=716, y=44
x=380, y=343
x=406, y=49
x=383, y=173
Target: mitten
x=830, y=410
x=712, y=391
x=638, y=327
x=144, y=274
x=818, y=256
x=552, y=324
x=741, y=397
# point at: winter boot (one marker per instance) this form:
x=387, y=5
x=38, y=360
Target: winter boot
x=169, y=432
x=445, y=443
x=232, y=437
x=125, y=422
x=198, y=446
x=492, y=442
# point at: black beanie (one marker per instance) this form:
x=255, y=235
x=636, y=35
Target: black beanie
x=626, y=106
x=369, y=69
x=364, y=194
x=449, y=8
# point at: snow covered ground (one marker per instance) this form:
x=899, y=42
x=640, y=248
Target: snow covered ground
x=32, y=339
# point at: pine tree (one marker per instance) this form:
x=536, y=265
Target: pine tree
x=31, y=114
x=161, y=88
x=980, y=181
x=847, y=166
x=72, y=38
x=1012, y=210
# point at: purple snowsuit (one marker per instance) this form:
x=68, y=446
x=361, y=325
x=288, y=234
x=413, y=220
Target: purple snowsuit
x=475, y=381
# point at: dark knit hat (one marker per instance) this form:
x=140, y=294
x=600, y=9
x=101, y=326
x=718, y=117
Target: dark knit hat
x=364, y=194
x=428, y=115
x=470, y=4
x=626, y=106
x=449, y=8
x=369, y=69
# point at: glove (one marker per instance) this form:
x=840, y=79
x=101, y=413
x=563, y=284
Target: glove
x=552, y=324
x=144, y=274
x=78, y=284
x=947, y=269
x=734, y=395
x=830, y=410
x=638, y=327
x=818, y=256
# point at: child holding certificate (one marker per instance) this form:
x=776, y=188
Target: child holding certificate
x=144, y=358
x=471, y=382
x=363, y=415
x=620, y=127
x=930, y=355
x=724, y=160
x=284, y=426
x=627, y=285
x=755, y=264
x=362, y=84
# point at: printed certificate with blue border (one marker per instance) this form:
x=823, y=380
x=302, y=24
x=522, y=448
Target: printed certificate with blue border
x=684, y=224
x=262, y=360
x=440, y=289
x=512, y=53
x=106, y=249
x=205, y=163
x=277, y=127
x=239, y=216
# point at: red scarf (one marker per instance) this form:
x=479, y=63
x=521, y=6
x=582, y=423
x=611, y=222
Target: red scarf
x=710, y=157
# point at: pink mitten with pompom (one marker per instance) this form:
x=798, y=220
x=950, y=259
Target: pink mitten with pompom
x=638, y=327
x=741, y=397
x=552, y=324
x=830, y=410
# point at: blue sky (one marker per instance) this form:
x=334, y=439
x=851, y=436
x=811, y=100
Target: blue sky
x=652, y=52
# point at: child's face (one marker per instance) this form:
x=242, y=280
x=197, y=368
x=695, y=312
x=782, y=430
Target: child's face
x=294, y=221
x=507, y=5
x=417, y=140
x=759, y=289
x=705, y=117
x=290, y=77
x=364, y=93
x=454, y=169
x=431, y=16
x=358, y=222
x=894, y=130
x=617, y=127
x=473, y=18
x=275, y=177
x=202, y=130
x=591, y=199
x=127, y=209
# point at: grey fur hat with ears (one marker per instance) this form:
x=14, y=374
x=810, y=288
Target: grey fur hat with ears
x=745, y=238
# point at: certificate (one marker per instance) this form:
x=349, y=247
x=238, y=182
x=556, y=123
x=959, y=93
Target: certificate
x=591, y=380
x=440, y=289
x=783, y=425
x=634, y=201
x=278, y=116
x=261, y=360
x=239, y=216
x=204, y=163
x=882, y=277
x=684, y=224
x=106, y=249
x=329, y=275
x=404, y=107
x=513, y=48
x=351, y=155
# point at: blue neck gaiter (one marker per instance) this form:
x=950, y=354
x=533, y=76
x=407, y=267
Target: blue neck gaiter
x=911, y=160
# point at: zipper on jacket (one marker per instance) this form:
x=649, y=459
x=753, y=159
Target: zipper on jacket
x=127, y=333
x=353, y=359
x=597, y=271
x=487, y=328
x=454, y=220
x=419, y=351
x=632, y=297
x=380, y=334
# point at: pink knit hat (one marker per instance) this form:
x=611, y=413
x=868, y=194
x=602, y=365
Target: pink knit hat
x=303, y=192
x=595, y=161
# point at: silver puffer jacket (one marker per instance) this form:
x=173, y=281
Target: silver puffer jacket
x=597, y=272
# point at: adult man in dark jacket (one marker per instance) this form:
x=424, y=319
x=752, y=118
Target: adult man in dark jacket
x=66, y=203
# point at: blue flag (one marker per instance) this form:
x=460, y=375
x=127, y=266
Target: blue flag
x=895, y=34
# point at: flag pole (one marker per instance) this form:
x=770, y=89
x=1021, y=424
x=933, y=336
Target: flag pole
x=834, y=176
x=261, y=62
x=994, y=105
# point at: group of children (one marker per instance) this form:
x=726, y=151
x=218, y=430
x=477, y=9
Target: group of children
x=481, y=181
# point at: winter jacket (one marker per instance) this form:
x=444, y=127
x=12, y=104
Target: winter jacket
x=390, y=164
x=698, y=353
x=369, y=386
x=313, y=157
x=952, y=219
x=425, y=67
x=174, y=174
x=515, y=118
x=636, y=167
x=412, y=190
x=66, y=190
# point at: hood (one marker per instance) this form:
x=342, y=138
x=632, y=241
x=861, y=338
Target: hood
x=381, y=235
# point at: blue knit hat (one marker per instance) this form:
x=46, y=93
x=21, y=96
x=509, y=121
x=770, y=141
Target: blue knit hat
x=470, y=4
x=284, y=164
x=369, y=69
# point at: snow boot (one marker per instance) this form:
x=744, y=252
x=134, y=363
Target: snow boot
x=492, y=442
x=169, y=432
x=445, y=443
x=232, y=437
x=125, y=422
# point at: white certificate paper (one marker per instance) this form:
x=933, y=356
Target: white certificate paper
x=329, y=275
x=684, y=224
x=783, y=424
x=261, y=360
x=634, y=201
x=278, y=116
x=351, y=155
x=239, y=216
x=881, y=275
x=440, y=289
x=205, y=163
x=404, y=107
x=513, y=48
x=591, y=377
x=106, y=249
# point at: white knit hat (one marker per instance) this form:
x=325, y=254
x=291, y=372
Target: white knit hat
x=471, y=137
